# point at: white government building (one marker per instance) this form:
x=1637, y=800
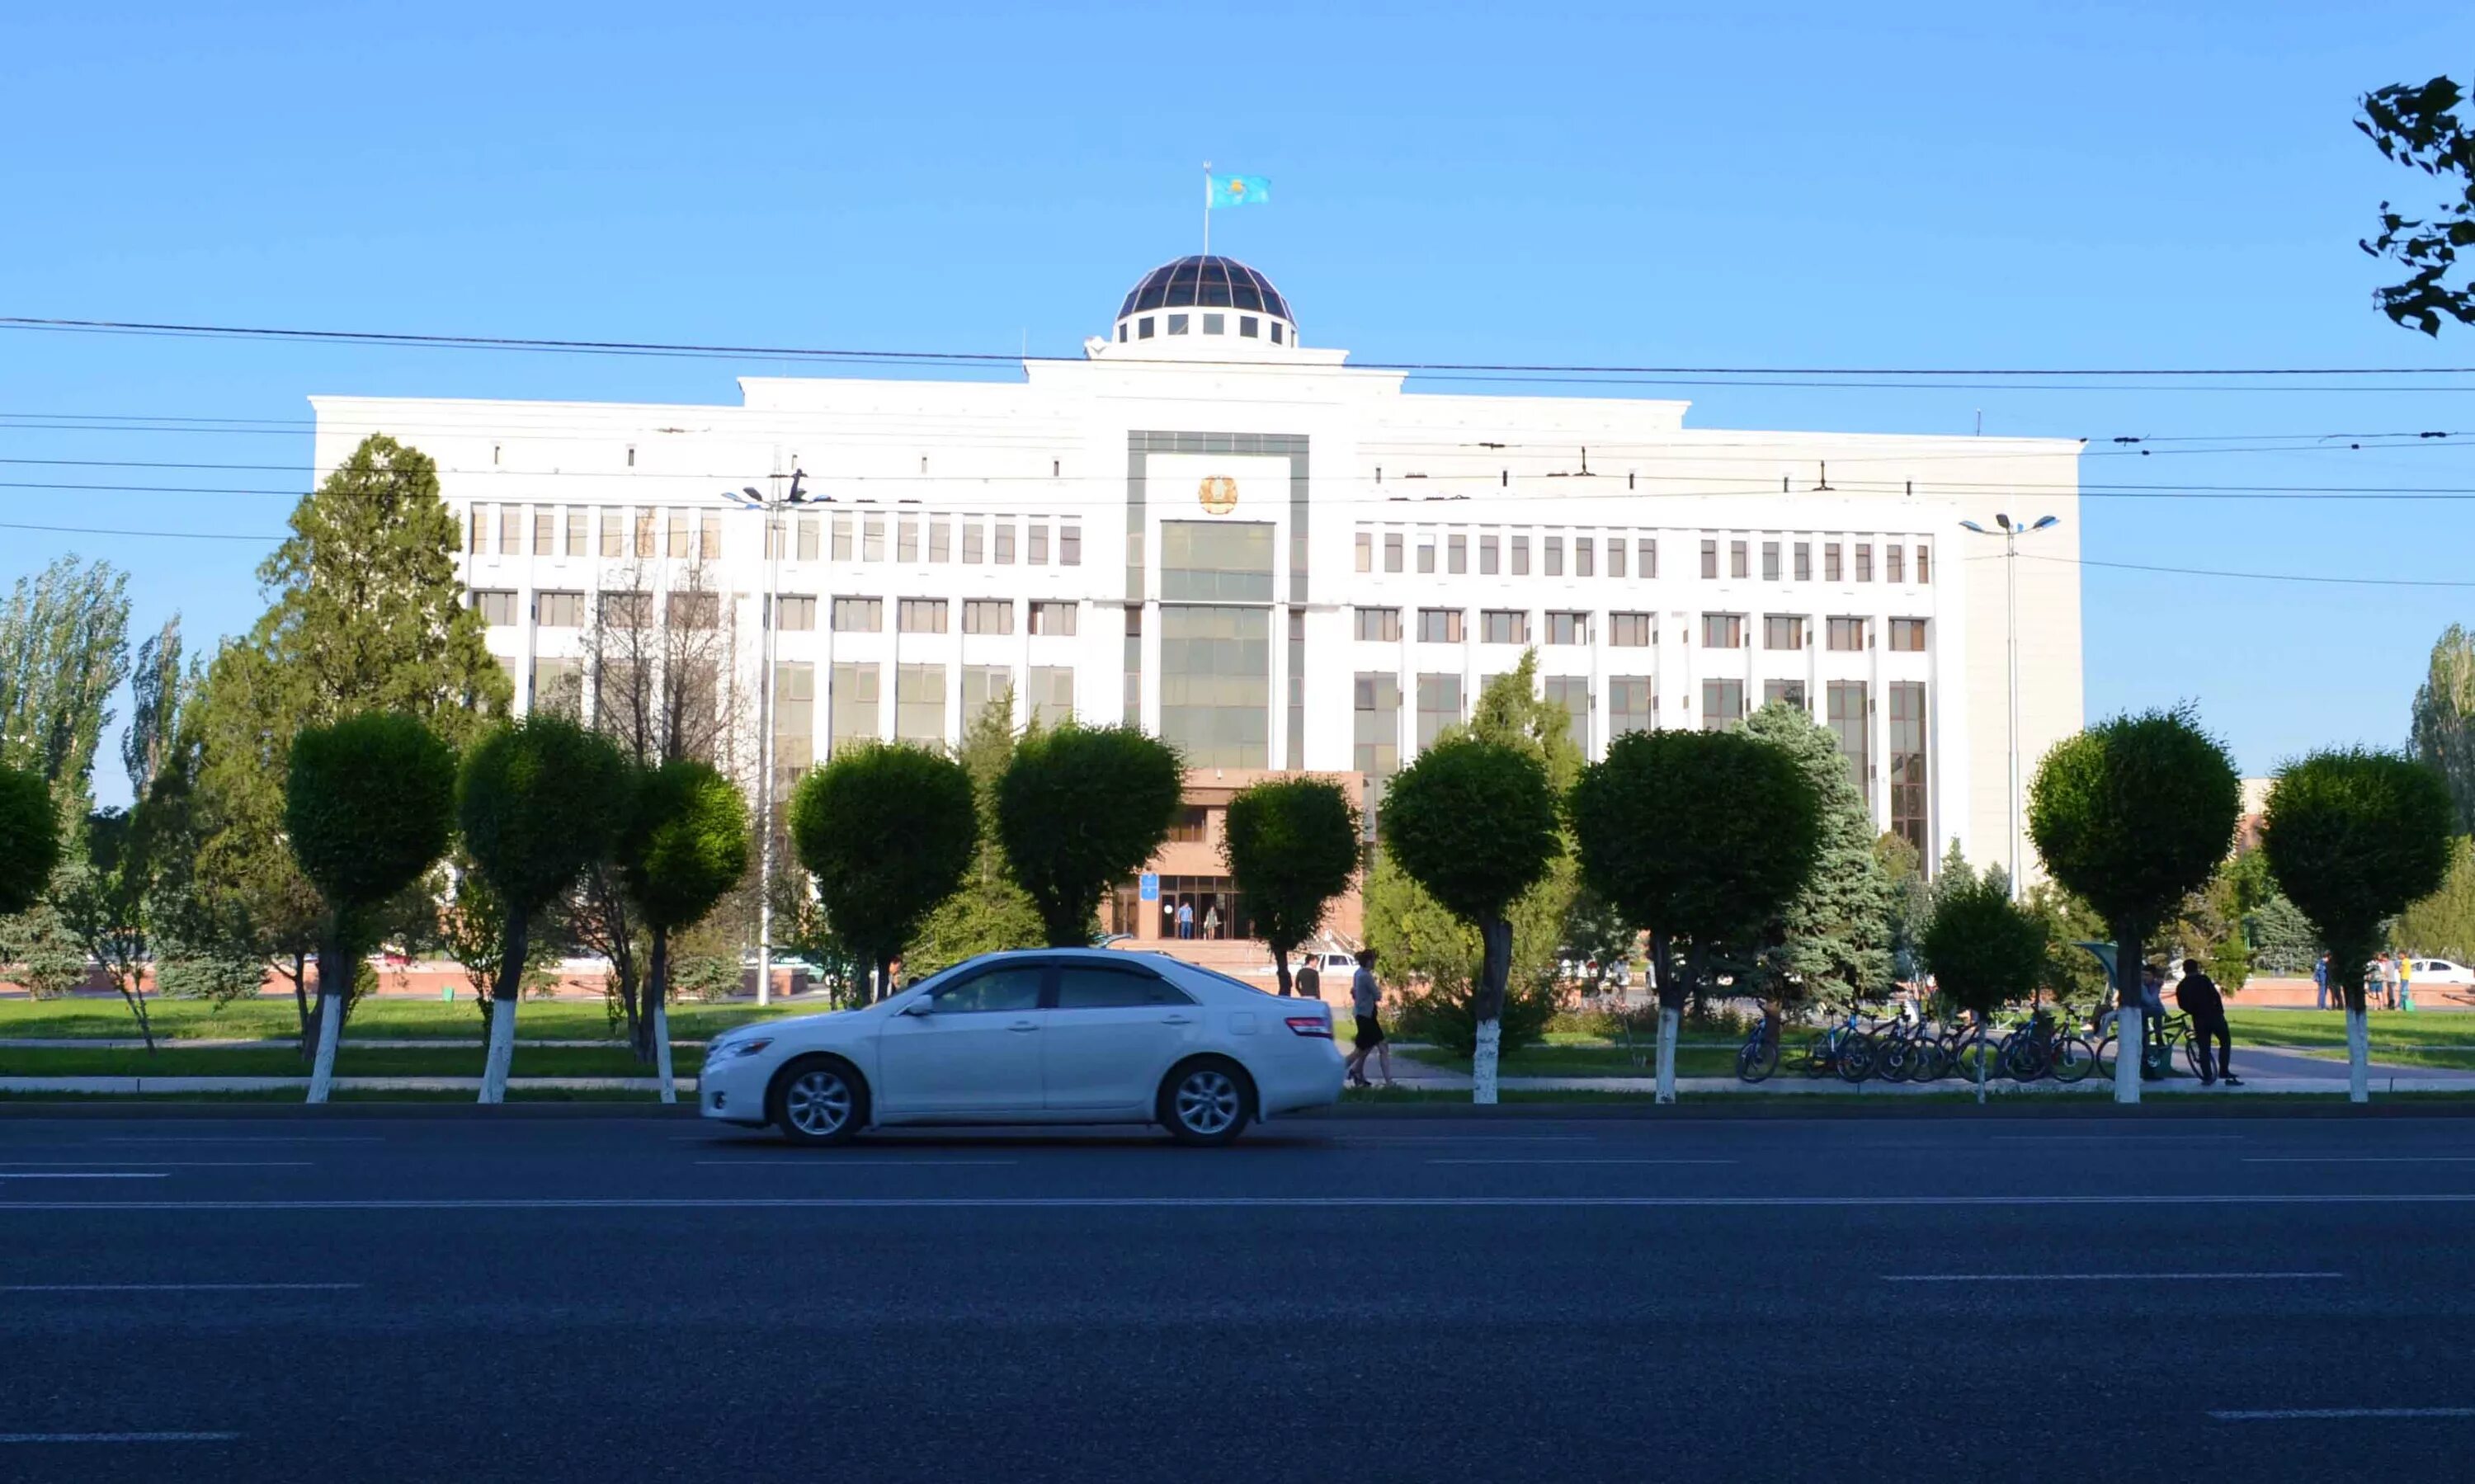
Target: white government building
x=1277, y=560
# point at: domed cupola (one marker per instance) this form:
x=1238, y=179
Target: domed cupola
x=1206, y=304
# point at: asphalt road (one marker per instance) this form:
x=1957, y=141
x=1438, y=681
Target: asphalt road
x=1370, y=1297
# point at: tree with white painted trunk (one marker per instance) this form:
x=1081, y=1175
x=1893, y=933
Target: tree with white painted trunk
x=2133, y=815
x=1474, y=822
x=1292, y=845
x=887, y=829
x=1080, y=809
x=2353, y=837
x=1700, y=837
x=683, y=849
x=368, y=804
x=1984, y=951
x=537, y=802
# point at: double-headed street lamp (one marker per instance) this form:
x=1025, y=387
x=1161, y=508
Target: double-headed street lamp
x=751, y=498
x=2011, y=534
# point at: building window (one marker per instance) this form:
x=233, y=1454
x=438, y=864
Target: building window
x=1908, y=635
x=1384, y=623
x=1895, y=563
x=1190, y=825
x=1392, y=550
x=1248, y=327
x=1488, y=563
x=1004, y=543
x=1426, y=554
x=941, y=541
x=1831, y=561
x=919, y=616
x=1521, y=557
x=1615, y=556
x=1503, y=626
x=798, y=613
x=709, y=538
x=675, y=527
x=1710, y=561
x=578, y=521
x=1846, y=720
x=496, y=607
x=1792, y=692
x=795, y=726
x=1723, y=631
x=1440, y=625
x=1204, y=561
x=545, y=530
x=1647, y=550
x=975, y=542
x=693, y=609
x=1456, y=553
x=1782, y=631
x=983, y=684
x=1568, y=628
x=1051, y=701
x=1378, y=736
x=1555, y=555
x=906, y=541
x=1276, y=333
x=1864, y=561
x=558, y=687
x=1770, y=561
x=858, y=615
x=1586, y=557
x=1365, y=551
x=560, y=610
x=1723, y=704
x=1215, y=685
x=1923, y=577
x=1573, y=693
x=1177, y=324
x=1069, y=545
x=1143, y=327
x=1036, y=544
x=1215, y=324
x=1632, y=705
x=920, y=703
x=1907, y=741
x=627, y=610
x=842, y=538
x=988, y=615
x=872, y=538
x=1631, y=630
x=806, y=547
x=644, y=532
x=1805, y=561
x=477, y=542
x=1439, y=706
x=854, y=704
x=1054, y=621
x=1736, y=566
x=614, y=531
x=1846, y=634
x=511, y=530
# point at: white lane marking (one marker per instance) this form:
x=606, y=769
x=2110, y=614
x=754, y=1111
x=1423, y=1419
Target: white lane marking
x=2358, y=1160
x=117, y=1437
x=1556, y=1159
x=2087, y=1278
x=831, y=1163
x=83, y=1175
x=2089, y=1138
x=240, y=1138
x=1229, y=1202
x=1473, y=1138
x=166, y=1288
x=158, y=1164
x=2309, y=1414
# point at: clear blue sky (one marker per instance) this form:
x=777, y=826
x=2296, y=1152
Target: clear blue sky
x=2117, y=185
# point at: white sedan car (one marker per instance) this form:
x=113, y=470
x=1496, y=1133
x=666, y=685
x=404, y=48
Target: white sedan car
x=2440, y=972
x=1044, y=1035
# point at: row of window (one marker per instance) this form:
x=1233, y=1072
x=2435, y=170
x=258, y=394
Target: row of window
x=1249, y=327
x=691, y=608
x=1637, y=557
x=569, y=530
x=1633, y=630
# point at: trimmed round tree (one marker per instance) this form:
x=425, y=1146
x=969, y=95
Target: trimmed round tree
x=1474, y=822
x=2353, y=837
x=1292, y=845
x=30, y=840
x=1079, y=809
x=538, y=800
x=888, y=831
x=368, y=806
x=684, y=847
x=1985, y=952
x=1700, y=838
x=2132, y=815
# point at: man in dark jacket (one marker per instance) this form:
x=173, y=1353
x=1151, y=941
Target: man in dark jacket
x=2200, y=1000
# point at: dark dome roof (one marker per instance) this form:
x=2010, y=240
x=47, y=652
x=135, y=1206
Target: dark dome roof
x=1206, y=283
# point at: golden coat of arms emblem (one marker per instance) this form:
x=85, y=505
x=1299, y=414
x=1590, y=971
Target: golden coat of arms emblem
x=1217, y=494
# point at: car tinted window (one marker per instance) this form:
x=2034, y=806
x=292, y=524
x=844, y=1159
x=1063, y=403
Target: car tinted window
x=1078, y=987
x=1013, y=987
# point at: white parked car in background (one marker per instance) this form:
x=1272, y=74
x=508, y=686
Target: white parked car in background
x=2440, y=971
x=1043, y=1035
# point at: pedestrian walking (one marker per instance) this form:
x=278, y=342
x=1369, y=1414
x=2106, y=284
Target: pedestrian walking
x=2389, y=982
x=1211, y=921
x=1309, y=981
x=2200, y=1000
x=1365, y=996
x=2406, y=982
x=1185, y=920
x=2320, y=983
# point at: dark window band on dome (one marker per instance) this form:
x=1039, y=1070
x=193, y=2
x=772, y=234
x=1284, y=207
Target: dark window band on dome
x=1205, y=282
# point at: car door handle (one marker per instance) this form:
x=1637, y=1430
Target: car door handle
x=1024, y=1025
x=1177, y=1020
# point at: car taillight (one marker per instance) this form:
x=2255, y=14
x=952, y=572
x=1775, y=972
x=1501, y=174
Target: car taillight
x=1311, y=1025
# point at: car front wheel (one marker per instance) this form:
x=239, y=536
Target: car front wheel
x=819, y=1100
x=1206, y=1101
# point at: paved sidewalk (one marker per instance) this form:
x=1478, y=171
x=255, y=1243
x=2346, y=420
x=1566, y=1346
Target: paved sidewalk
x=2262, y=1071
x=290, y=1043
x=149, y=1085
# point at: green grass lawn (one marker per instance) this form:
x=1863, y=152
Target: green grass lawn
x=177, y=1061
x=2392, y=1034
x=268, y=1017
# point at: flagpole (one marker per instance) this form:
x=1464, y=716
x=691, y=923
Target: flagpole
x=1207, y=208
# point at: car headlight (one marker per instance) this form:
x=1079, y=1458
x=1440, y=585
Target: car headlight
x=724, y=1050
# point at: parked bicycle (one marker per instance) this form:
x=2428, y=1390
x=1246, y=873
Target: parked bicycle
x=1758, y=1058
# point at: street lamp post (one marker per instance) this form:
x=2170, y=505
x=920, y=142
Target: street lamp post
x=2011, y=534
x=771, y=507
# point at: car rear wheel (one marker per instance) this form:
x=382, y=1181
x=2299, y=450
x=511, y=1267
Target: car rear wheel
x=1206, y=1101
x=819, y=1100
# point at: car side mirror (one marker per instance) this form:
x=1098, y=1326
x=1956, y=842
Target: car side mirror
x=925, y=1004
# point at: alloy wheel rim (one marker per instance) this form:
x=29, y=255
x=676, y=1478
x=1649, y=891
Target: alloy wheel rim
x=817, y=1103
x=1207, y=1102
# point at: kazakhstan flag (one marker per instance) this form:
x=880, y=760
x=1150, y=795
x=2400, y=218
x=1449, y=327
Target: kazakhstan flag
x=1237, y=190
